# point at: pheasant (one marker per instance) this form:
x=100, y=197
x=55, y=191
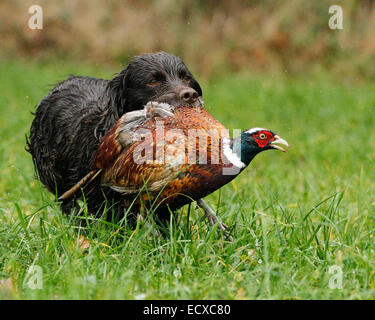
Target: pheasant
x=162, y=158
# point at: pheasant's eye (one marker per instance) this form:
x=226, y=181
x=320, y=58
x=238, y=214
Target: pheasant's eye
x=262, y=136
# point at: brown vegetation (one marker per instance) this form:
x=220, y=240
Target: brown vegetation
x=211, y=36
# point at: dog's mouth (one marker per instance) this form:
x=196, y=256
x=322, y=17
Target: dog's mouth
x=200, y=101
x=163, y=109
x=158, y=109
x=174, y=101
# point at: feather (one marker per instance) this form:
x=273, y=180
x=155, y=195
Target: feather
x=83, y=182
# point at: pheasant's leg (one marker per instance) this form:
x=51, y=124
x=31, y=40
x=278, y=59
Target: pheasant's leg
x=212, y=218
x=143, y=219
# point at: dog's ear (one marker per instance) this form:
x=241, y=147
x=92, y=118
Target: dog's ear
x=118, y=92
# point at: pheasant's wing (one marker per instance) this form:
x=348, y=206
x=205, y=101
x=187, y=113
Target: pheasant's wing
x=190, y=136
x=118, y=139
x=139, y=166
x=127, y=131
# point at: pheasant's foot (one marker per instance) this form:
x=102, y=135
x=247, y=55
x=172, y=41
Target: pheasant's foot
x=149, y=226
x=213, y=219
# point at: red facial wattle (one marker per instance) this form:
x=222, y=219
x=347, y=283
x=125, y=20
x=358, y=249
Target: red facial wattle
x=263, y=142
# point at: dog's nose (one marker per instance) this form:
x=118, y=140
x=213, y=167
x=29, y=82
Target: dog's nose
x=189, y=95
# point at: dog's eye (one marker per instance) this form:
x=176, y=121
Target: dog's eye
x=186, y=78
x=154, y=83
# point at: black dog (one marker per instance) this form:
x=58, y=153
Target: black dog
x=72, y=119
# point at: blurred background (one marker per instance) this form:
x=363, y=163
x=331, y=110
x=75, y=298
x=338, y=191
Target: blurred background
x=212, y=37
x=272, y=64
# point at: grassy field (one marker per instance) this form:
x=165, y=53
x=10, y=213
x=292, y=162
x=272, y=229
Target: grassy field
x=293, y=215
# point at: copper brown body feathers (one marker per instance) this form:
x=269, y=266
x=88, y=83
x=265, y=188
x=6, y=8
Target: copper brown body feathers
x=171, y=167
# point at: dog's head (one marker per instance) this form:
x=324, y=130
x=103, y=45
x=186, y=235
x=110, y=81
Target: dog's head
x=160, y=77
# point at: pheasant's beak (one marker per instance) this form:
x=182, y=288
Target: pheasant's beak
x=279, y=140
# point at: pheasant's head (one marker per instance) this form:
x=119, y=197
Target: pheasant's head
x=256, y=140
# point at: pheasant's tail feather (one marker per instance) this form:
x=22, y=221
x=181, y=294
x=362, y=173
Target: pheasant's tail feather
x=84, y=181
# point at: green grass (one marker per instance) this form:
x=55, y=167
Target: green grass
x=293, y=215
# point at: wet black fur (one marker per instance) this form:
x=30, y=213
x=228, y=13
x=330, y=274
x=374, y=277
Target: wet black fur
x=72, y=119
